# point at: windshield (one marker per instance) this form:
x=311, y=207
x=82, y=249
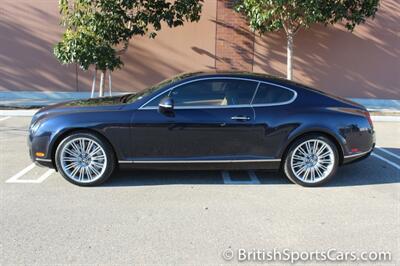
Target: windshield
x=130, y=98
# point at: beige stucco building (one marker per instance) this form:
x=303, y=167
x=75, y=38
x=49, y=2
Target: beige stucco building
x=362, y=64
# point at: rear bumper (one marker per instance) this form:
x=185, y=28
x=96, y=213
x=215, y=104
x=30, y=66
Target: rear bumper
x=357, y=157
x=360, y=142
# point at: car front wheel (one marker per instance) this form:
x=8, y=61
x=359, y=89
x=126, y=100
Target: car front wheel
x=85, y=159
x=311, y=161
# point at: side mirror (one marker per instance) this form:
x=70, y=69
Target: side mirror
x=166, y=105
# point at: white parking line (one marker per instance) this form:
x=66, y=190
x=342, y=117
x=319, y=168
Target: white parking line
x=4, y=118
x=228, y=180
x=389, y=152
x=386, y=160
x=43, y=177
x=16, y=178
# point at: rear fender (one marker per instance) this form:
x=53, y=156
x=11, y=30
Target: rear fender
x=339, y=140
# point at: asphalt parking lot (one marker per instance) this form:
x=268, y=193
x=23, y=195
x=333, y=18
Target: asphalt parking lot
x=164, y=217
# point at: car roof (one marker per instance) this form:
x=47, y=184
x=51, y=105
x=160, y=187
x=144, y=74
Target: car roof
x=230, y=73
x=251, y=75
x=240, y=74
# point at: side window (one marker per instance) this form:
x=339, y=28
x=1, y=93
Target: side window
x=270, y=94
x=214, y=92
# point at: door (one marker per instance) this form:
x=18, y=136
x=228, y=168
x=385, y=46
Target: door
x=211, y=119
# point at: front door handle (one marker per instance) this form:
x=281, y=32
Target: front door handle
x=241, y=118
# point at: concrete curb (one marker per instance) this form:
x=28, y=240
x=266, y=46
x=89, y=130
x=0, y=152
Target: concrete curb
x=35, y=99
x=389, y=118
x=379, y=105
x=29, y=112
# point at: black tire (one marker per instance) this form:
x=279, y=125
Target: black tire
x=288, y=169
x=109, y=162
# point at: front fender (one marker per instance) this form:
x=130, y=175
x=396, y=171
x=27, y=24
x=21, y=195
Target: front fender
x=114, y=126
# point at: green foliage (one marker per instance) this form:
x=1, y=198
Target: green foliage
x=94, y=28
x=96, y=101
x=85, y=48
x=273, y=15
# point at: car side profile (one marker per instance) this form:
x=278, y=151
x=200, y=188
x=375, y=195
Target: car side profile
x=204, y=120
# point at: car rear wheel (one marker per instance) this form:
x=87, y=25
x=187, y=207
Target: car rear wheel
x=311, y=161
x=85, y=159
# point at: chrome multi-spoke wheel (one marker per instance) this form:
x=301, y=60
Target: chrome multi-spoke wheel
x=83, y=159
x=311, y=161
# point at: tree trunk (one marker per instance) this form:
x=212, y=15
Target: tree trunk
x=101, y=89
x=94, y=83
x=289, y=71
x=109, y=82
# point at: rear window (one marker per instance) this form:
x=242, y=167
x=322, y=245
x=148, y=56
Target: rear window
x=270, y=94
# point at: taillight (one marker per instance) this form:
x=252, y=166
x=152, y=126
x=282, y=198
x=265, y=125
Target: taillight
x=368, y=116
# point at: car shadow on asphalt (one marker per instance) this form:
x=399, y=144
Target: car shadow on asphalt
x=370, y=171
x=155, y=177
x=169, y=177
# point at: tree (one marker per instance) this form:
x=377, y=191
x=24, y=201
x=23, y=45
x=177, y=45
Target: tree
x=97, y=32
x=292, y=15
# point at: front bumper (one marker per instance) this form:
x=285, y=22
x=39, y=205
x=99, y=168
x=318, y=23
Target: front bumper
x=46, y=162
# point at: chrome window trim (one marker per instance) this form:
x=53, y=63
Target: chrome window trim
x=255, y=93
x=211, y=107
x=275, y=104
x=153, y=107
x=200, y=161
x=199, y=107
x=143, y=107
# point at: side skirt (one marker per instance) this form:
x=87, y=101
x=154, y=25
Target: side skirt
x=272, y=164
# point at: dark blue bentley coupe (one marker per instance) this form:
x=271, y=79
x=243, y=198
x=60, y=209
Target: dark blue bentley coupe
x=218, y=120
